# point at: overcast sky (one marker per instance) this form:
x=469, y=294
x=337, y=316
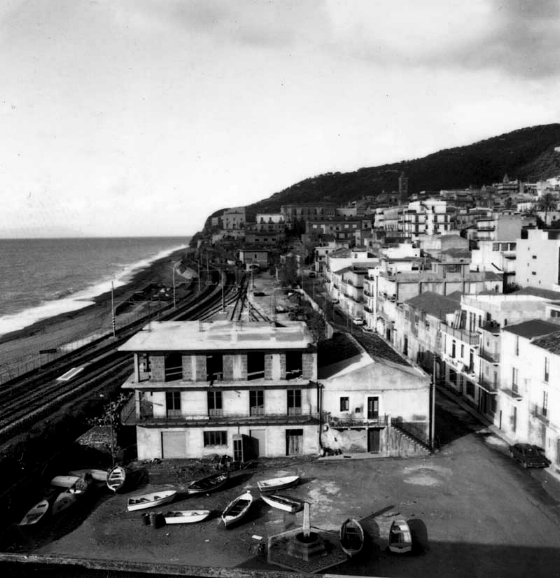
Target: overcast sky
x=142, y=117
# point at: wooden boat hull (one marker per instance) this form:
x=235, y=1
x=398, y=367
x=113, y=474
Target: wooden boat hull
x=35, y=513
x=152, y=500
x=97, y=475
x=400, y=538
x=276, y=484
x=237, y=509
x=64, y=481
x=185, y=516
x=352, y=537
x=281, y=502
x=208, y=484
x=64, y=501
x=116, y=478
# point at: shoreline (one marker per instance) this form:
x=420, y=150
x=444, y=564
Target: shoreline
x=18, y=347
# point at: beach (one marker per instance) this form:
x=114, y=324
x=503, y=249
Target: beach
x=20, y=350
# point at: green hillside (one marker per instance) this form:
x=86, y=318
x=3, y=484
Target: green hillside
x=527, y=154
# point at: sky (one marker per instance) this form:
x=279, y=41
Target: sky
x=143, y=117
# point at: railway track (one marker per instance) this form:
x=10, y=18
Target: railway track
x=83, y=374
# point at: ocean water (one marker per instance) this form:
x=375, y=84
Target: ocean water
x=41, y=278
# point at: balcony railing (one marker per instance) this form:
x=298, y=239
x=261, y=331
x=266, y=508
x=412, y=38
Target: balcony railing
x=490, y=356
x=357, y=422
x=540, y=412
x=469, y=337
x=487, y=384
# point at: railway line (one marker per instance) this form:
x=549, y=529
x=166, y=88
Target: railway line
x=84, y=373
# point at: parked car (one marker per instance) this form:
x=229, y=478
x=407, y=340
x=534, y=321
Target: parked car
x=529, y=455
x=368, y=329
x=358, y=320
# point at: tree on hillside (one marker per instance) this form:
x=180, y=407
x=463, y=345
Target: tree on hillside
x=547, y=203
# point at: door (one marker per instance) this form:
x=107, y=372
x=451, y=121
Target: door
x=173, y=444
x=294, y=442
x=373, y=408
x=258, y=442
x=374, y=441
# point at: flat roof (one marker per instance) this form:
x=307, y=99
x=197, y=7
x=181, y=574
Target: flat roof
x=219, y=335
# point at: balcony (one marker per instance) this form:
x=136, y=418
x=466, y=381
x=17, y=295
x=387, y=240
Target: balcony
x=489, y=385
x=539, y=412
x=490, y=356
x=470, y=337
x=353, y=423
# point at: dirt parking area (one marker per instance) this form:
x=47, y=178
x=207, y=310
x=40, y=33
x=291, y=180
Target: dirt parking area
x=469, y=506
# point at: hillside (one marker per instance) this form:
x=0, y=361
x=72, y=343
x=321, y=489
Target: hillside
x=527, y=154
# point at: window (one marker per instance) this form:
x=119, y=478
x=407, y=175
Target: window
x=145, y=365
x=173, y=403
x=256, y=402
x=453, y=349
x=214, y=367
x=294, y=402
x=470, y=389
x=545, y=403
x=215, y=407
x=546, y=368
x=517, y=345
x=173, y=366
x=294, y=364
x=215, y=438
x=462, y=350
x=514, y=376
x=344, y=403
x=255, y=365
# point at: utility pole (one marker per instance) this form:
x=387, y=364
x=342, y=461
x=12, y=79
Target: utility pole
x=113, y=311
x=433, y=404
x=174, y=300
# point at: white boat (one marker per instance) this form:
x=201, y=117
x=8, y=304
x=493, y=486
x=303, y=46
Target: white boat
x=64, y=481
x=276, y=484
x=400, y=538
x=285, y=503
x=237, y=509
x=35, y=513
x=150, y=500
x=185, y=516
x=63, y=501
x=97, y=475
x=116, y=478
x=352, y=537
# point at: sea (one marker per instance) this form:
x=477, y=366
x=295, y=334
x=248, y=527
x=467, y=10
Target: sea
x=41, y=278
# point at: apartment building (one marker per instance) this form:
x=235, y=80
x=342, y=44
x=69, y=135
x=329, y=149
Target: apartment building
x=538, y=259
x=242, y=389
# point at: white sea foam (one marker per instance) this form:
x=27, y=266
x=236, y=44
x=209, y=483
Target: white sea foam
x=79, y=300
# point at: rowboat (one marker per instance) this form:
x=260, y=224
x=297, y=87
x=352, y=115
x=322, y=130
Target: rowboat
x=352, y=537
x=237, y=509
x=97, y=475
x=276, y=484
x=35, y=513
x=63, y=501
x=185, y=516
x=400, y=538
x=116, y=478
x=64, y=481
x=282, y=502
x=208, y=484
x=150, y=500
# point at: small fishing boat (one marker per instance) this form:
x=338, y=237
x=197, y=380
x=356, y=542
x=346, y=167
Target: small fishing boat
x=352, y=537
x=400, y=538
x=277, y=484
x=282, y=502
x=150, y=500
x=237, y=509
x=97, y=475
x=208, y=484
x=64, y=481
x=63, y=501
x=35, y=513
x=116, y=478
x=185, y=516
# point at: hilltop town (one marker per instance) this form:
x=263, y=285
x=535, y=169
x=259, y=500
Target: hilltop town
x=463, y=284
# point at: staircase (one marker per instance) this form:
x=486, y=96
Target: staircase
x=403, y=443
